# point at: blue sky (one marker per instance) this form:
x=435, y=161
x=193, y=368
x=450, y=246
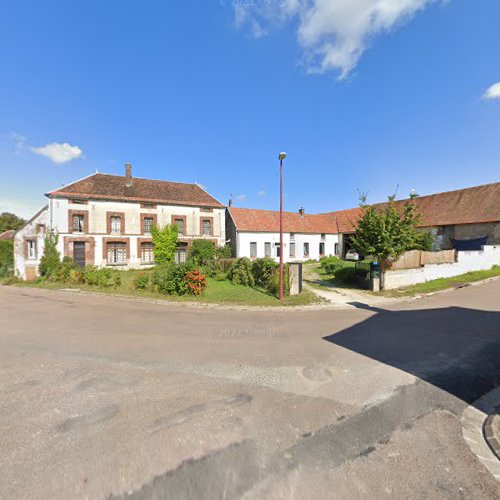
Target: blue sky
x=361, y=94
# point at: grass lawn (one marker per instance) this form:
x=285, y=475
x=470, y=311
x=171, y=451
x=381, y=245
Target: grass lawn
x=441, y=284
x=320, y=279
x=217, y=292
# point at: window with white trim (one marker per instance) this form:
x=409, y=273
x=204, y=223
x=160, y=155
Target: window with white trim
x=267, y=249
x=117, y=253
x=306, y=249
x=147, y=254
x=31, y=249
x=180, y=225
x=116, y=224
x=78, y=223
x=292, y=249
x=148, y=225
x=253, y=249
x=206, y=227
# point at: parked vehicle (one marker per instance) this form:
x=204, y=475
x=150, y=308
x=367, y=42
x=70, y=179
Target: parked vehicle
x=352, y=255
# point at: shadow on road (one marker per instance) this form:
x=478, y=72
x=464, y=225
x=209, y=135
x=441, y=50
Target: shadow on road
x=454, y=348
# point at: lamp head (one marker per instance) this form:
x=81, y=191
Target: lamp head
x=282, y=156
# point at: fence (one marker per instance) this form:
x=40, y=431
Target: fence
x=417, y=258
x=476, y=260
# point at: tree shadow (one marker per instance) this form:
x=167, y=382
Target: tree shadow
x=454, y=348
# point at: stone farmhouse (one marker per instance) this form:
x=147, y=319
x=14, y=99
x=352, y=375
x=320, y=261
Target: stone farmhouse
x=461, y=219
x=106, y=220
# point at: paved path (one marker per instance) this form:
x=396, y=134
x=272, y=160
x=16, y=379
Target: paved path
x=103, y=397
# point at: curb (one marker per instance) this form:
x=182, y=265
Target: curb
x=474, y=420
x=489, y=434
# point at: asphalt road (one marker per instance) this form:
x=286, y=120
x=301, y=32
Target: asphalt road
x=113, y=398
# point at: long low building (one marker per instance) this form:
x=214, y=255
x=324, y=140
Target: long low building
x=464, y=218
x=255, y=233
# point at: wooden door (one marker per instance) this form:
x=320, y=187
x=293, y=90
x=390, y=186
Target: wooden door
x=79, y=253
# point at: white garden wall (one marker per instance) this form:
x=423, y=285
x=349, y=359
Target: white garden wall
x=466, y=261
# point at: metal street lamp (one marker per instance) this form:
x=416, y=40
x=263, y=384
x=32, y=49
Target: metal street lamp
x=281, y=157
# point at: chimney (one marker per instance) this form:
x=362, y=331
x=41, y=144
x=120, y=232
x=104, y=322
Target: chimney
x=128, y=174
x=230, y=204
x=302, y=211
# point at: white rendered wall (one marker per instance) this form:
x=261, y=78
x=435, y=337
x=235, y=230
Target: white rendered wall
x=477, y=260
x=245, y=238
x=30, y=232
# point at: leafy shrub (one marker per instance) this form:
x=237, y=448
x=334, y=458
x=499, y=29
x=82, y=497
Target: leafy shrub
x=262, y=270
x=218, y=266
x=351, y=275
x=51, y=260
x=6, y=258
x=202, y=251
x=101, y=277
x=332, y=264
x=241, y=272
x=223, y=252
x=66, y=271
x=142, y=281
x=195, y=282
x=423, y=241
x=273, y=285
x=165, y=243
x=169, y=278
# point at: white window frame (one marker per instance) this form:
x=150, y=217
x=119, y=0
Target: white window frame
x=147, y=253
x=268, y=249
x=148, y=224
x=116, y=224
x=181, y=226
x=78, y=222
x=117, y=253
x=292, y=249
x=31, y=249
x=306, y=245
x=203, y=229
x=253, y=249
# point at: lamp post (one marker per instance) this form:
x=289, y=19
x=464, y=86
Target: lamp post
x=281, y=157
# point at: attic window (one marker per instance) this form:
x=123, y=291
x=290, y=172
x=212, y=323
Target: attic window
x=78, y=201
x=204, y=209
x=148, y=205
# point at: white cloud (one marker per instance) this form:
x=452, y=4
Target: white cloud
x=493, y=92
x=332, y=33
x=59, y=152
x=241, y=197
x=261, y=194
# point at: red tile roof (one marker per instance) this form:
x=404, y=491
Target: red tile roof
x=7, y=235
x=267, y=221
x=113, y=187
x=473, y=205
x=478, y=204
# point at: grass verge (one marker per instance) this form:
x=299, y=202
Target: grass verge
x=217, y=292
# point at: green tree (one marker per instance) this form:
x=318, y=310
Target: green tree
x=10, y=221
x=202, y=251
x=384, y=232
x=51, y=259
x=165, y=243
x=6, y=258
